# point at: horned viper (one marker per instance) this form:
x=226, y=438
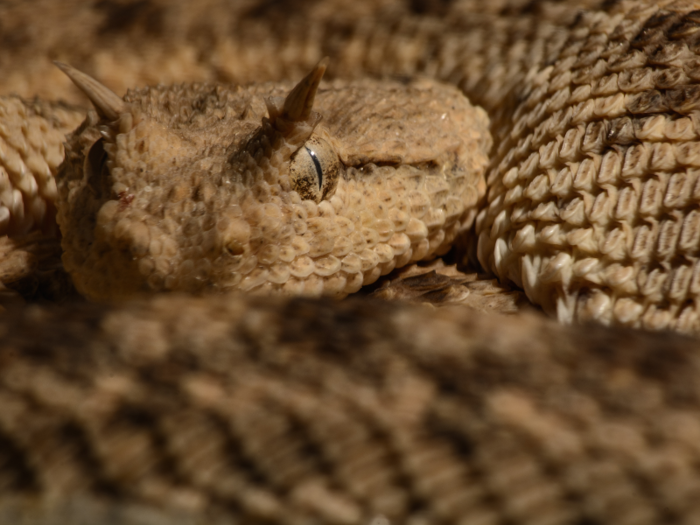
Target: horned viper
x=590, y=208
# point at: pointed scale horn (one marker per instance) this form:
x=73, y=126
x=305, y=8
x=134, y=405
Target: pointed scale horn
x=298, y=104
x=108, y=105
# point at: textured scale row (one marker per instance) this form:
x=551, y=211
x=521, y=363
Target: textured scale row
x=31, y=149
x=243, y=409
x=593, y=206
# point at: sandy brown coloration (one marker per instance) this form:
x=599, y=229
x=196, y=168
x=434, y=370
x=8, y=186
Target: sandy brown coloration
x=193, y=188
x=593, y=200
x=229, y=410
x=606, y=226
x=31, y=149
x=182, y=411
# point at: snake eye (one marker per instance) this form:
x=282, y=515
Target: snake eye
x=315, y=169
x=94, y=166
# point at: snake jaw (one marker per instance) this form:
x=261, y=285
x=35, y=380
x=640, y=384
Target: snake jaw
x=192, y=188
x=131, y=157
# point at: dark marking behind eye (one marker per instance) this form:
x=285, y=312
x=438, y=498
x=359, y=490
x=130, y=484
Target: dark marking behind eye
x=94, y=166
x=319, y=170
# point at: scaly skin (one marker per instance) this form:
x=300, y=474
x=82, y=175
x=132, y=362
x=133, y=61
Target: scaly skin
x=233, y=410
x=191, y=189
x=220, y=410
x=591, y=206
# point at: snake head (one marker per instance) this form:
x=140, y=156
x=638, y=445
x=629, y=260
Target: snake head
x=271, y=188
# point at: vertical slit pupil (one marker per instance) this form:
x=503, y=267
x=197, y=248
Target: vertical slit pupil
x=319, y=170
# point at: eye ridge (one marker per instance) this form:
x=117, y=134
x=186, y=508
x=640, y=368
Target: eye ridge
x=317, y=164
